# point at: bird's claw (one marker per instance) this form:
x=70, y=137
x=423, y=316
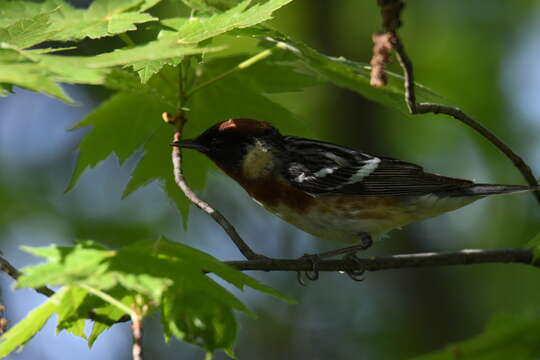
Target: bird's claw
x=312, y=274
x=355, y=274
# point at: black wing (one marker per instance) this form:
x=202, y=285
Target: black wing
x=318, y=167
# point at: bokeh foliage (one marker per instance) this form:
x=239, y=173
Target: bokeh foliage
x=140, y=66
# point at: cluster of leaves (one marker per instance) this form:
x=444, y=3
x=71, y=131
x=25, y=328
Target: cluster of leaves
x=41, y=46
x=144, y=276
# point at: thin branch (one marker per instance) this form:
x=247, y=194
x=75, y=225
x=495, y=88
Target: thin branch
x=137, y=332
x=391, y=11
x=463, y=257
x=382, y=48
x=204, y=206
x=179, y=121
x=3, y=319
x=12, y=271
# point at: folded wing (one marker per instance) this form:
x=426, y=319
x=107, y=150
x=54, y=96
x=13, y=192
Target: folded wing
x=318, y=167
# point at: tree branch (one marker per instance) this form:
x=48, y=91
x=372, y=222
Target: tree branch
x=14, y=273
x=377, y=263
x=179, y=121
x=390, y=12
x=136, y=334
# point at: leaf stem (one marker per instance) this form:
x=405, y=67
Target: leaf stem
x=108, y=298
x=10, y=270
x=125, y=38
x=243, y=65
x=183, y=71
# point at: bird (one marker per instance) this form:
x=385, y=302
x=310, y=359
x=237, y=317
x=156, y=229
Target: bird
x=331, y=191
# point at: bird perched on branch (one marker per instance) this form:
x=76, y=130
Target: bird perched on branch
x=331, y=191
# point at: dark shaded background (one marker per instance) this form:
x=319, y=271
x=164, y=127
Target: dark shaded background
x=481, y=55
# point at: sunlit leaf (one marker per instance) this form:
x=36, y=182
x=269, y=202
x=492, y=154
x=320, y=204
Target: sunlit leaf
x=102, y=18
x=32, y=77
x=240, y=16
x=68, y=318
x=201, y=28
x=28, y=31
x=159, y=274
x=24, y=330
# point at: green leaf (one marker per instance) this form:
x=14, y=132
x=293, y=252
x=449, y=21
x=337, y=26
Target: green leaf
x=156, y=165
x=66, y=69
x=240, y=16
x=154, y=50
x=534, y=245
x=67, y=311
x=132, y=117
x=102, y=18
x=202, y=28
x=197, y=319
x=108, y=313
x=32, y=77
x=67, y=265
x=180, y=252
x=148, y=68
x=13, y=11
x=24, y=330
x=5, y=89
x=349, y=74
x=160, y=274
x=27, y=32
x=210, y=5
x=205, y=262
x=506, y=337
x=39, y=72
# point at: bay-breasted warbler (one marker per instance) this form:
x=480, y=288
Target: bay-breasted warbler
x=331, y=191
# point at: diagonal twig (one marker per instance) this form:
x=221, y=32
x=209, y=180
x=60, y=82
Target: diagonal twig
x=179, y=121
x=137, y=334
x=390, y=12
x=14, y=273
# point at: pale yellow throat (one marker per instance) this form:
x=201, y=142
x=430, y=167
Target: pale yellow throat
x=258, y=162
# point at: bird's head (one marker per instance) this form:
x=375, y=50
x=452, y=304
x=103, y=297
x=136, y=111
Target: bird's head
x=227, y=143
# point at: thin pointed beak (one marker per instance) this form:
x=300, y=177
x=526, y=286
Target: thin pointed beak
x=190, y=144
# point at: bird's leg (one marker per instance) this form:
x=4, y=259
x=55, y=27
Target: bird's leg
x=350, y=254
x=365, y=243
x=356, y=274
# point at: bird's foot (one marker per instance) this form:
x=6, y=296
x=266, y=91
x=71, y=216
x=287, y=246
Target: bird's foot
x=312, y=274
x=356, y=274
x=349, y=254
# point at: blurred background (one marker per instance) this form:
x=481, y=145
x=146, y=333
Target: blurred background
x=481, y=55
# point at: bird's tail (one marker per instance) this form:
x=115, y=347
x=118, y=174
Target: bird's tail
x=494, y=189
